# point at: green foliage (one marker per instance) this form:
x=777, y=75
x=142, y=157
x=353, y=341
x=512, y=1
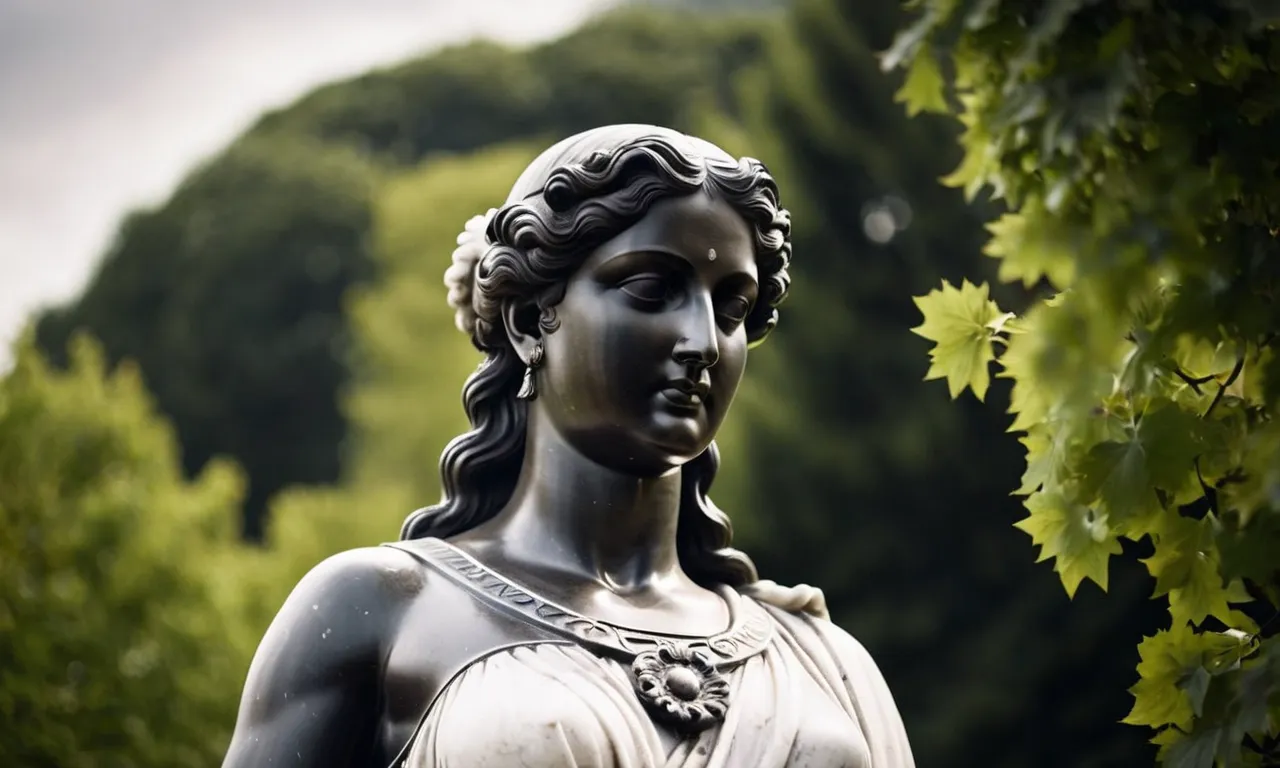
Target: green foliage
x=413, y=361
x=119, y=646
x=634, y=64
x=1134, y=146
x=229, y=299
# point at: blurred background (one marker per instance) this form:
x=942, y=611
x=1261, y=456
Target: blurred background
x=228, y=355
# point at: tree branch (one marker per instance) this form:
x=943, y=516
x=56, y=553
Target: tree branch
x=1194, y=383
x=1222, y=388
x=1210, y=493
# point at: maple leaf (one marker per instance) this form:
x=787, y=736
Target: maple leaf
x=959, y=321
x=1046, y=458
x=1122, y=475
x=1026, y=255
x=1075, y=536
x=1168, y=675
x=1186, y=567
x=922, y=90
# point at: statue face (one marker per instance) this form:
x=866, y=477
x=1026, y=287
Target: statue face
x=651, y=345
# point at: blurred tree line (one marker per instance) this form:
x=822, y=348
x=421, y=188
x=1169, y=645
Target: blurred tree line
x=285, y=309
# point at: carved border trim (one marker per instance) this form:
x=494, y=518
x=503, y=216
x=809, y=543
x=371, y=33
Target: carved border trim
x=749, y=632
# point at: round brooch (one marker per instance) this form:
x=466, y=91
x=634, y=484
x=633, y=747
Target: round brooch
x=681, y=687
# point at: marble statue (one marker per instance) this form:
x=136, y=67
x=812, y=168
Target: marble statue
x=574, y=600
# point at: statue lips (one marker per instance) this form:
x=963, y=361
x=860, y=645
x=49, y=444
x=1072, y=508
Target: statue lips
x=684, y=395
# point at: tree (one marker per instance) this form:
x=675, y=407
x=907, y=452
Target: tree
x=412, y=361
x=230, y=298
x=117, y=636
x=1134, y=147
x=404, y=404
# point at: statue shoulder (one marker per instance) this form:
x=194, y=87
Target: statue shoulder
x=369, y=581
x=345, y=609
x=847, y=669
x=311, y=695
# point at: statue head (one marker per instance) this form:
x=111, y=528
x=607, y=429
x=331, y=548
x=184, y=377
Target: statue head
x=614, y=296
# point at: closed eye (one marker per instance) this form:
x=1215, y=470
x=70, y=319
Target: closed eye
x=650, y=289
x=732, y=312
x=735, y=309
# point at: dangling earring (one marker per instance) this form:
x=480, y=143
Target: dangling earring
x=527, y=389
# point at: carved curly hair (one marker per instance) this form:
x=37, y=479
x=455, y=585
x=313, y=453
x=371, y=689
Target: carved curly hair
x=574, y=197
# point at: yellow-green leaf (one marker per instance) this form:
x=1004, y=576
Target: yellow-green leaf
x=1028, y=400
x=922, y=91
x=1076, y=537
x=1168, y=660
x=979, y=157
x=1185, y=566
x=957, y=320
x=1046, y=458
x=1028, y=250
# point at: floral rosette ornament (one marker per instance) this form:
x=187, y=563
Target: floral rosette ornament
x=460, y=277
x=681, y=687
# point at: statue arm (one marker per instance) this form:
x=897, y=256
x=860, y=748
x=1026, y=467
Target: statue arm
x=312, y=693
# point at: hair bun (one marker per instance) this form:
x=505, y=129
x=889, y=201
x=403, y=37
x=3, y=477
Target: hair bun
x=460, y=277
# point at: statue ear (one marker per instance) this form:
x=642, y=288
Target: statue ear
x=522, y=322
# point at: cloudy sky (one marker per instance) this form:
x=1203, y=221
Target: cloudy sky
x=105, y=103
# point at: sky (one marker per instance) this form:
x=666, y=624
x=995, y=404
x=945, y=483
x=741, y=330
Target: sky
x=105, y=104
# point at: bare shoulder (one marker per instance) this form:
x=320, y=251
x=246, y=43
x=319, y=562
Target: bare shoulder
x=383, y=576
x=353, y=596
x=320, y=662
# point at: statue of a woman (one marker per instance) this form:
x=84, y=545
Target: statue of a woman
x=573, y=599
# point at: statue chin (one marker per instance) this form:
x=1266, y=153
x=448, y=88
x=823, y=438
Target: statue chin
x=648, y=450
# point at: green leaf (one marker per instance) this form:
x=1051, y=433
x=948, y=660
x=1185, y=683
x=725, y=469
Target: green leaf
x=1114, y=473
x=1028, y=251
x=1075, y=536
x=1258, y=491
x=1186, y=567
x=1259, y=684
x=1169, y=659
x=1117, y=40
x=1029, y=401
x=957, y=321
x=1196, y=685
x=980, y=156
x=1046, y=458
x=1172, y=439
x=1160, y=453
x=923, y=90
x=1249, y=551
x=1195, y=751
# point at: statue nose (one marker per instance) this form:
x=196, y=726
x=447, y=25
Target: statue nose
x=699, y=345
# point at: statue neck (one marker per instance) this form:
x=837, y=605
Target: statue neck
x=597, y=523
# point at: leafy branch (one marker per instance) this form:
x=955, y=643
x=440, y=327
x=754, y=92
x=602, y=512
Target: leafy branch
x=1133, y=148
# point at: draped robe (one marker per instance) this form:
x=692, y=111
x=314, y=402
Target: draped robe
x=802, y=693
